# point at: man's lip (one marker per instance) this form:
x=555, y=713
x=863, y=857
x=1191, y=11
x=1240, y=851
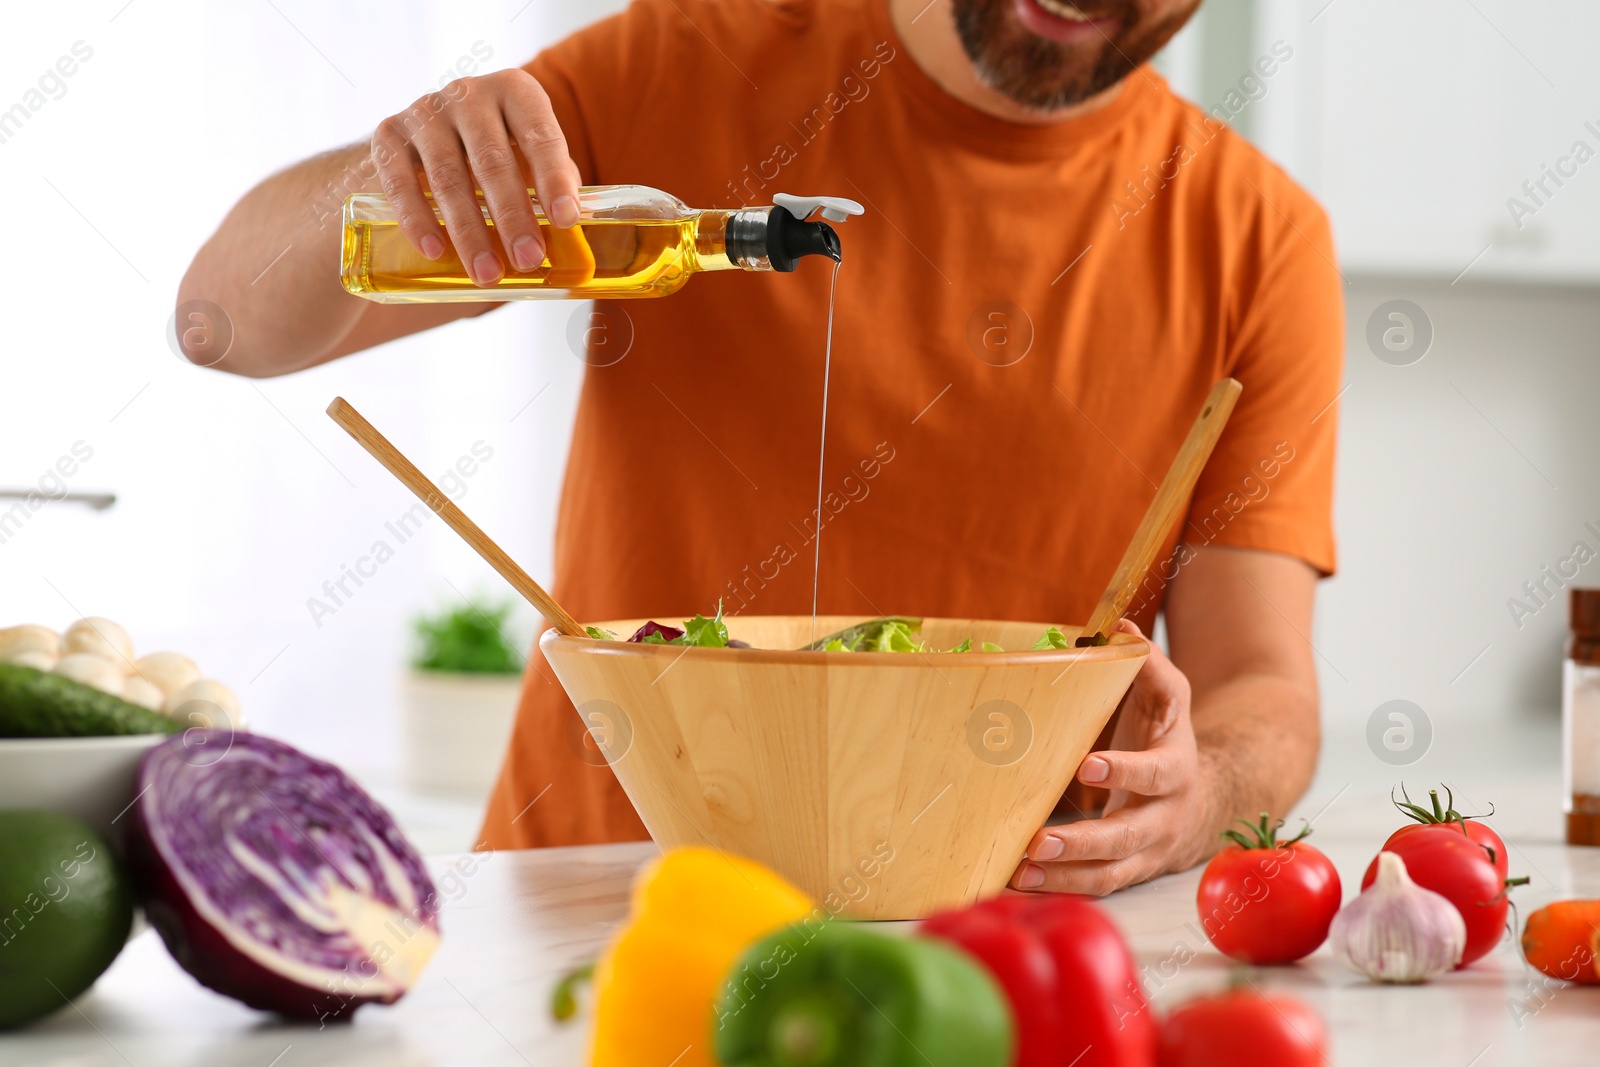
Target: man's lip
x=1066, y=31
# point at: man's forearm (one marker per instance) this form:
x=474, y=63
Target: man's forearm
x=1257, y=737
x=272, y=266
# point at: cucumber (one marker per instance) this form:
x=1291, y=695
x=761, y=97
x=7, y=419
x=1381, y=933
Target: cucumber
x=35, y=703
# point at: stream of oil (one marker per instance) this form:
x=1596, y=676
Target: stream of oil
x=822, y=450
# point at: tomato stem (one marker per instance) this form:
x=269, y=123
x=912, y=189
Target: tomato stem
x=1439, y=814
x=1263, y=834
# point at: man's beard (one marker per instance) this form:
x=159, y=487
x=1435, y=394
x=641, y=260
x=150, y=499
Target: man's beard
x=1045, y=75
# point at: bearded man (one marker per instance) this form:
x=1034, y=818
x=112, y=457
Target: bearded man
x=1059, y=258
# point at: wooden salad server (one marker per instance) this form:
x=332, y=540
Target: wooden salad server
x=1164, y=511
x=368, y=437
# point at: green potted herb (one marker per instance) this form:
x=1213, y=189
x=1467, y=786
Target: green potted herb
x=460, y=698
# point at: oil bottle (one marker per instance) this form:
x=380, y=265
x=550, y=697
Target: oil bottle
x=630, y=241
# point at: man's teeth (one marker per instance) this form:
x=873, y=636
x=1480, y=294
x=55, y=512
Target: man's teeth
x=1063, y=11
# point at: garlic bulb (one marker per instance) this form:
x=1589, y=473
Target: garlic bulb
x=1398, y=931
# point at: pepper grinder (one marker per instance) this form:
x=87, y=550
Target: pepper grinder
x=1580, y=719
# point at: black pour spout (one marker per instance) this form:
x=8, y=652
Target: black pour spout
x=790, y=239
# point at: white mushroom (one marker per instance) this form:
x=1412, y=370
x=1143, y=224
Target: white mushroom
x=137, y=690
x=206, y=702
x=39, y=661
x=29, y=639
x=167, y=671
x=92, y=670
x=102, y=637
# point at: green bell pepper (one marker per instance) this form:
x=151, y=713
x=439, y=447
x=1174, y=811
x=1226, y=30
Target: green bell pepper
x=838, y=994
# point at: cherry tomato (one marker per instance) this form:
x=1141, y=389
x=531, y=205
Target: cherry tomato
x=1446, y=815
x=1447, y=861
x=1243, y=1028
x=1265, y=901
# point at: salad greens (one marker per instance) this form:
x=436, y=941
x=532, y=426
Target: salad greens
x=898, y=633
x=1052, y=638
x=699, y=631
x=852, y=638
x=879, y=635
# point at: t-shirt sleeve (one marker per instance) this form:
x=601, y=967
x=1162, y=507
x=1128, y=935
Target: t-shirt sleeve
x=1269, y=484
x=596, y=78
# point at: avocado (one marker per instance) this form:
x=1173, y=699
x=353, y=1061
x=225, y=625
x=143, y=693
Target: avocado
x=35, y=703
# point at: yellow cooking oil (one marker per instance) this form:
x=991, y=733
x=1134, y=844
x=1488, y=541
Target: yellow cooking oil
x=599, y=258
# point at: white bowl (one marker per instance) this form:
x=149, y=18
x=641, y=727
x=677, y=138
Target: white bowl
x=89, y=778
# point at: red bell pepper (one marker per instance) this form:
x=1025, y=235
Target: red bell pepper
x=1068, y=975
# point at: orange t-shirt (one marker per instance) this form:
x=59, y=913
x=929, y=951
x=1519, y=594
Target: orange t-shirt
x=1028, y=319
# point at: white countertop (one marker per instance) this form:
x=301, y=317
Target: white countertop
x=515, y=921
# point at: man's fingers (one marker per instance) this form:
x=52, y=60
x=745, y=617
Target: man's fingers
x=477, y=135
x=1115, y=837
x=397, y=167
x=499, y=175
x=444, y=161
x=1094, y=879
x=532, y=122
x=1151, y=773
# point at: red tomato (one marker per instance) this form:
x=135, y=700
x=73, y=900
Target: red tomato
x=1243, y=1028
x=1447, y=861
x=1265, y=902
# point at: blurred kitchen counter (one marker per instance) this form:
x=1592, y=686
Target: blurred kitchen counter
x=516, y=921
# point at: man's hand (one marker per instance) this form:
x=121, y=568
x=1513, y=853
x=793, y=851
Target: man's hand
x=495, y=133
x=1157, y=813
x=1227, y=727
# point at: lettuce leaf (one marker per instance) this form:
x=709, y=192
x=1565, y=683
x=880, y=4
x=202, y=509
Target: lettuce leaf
x=852, y=638
x=1052, y=638
x=895, y=636
x=704, y=632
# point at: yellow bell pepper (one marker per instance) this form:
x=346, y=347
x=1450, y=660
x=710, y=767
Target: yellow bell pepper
x=694, y=911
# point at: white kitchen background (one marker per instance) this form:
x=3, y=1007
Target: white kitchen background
x=1463, y=474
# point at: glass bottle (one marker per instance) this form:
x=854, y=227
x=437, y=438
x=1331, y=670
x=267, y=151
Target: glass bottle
x=630, y=241
x=1580, y=719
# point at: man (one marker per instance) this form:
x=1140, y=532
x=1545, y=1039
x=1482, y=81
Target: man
x=1059, y=259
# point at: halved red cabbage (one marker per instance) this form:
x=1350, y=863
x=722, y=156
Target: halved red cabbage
x=275, y=879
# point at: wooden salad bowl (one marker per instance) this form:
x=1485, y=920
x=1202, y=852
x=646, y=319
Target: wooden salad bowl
x=886, y=785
